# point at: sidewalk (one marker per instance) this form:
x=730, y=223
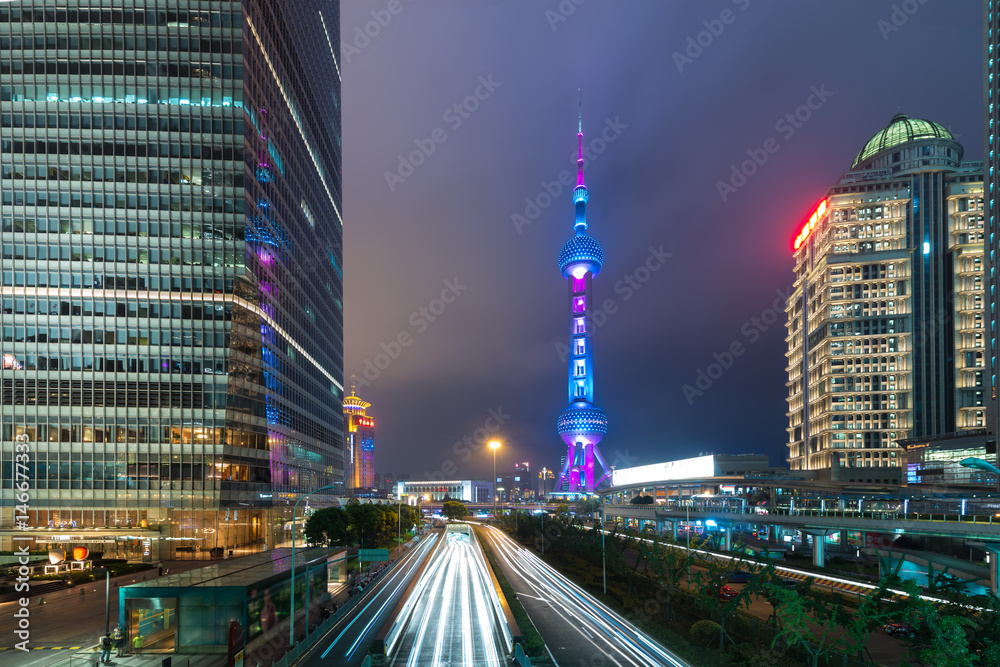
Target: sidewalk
x=93, y=658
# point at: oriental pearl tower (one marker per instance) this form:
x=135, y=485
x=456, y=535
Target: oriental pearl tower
x=582, y=424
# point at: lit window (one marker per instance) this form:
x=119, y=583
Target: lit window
x=579, y=326
x=581, y=368
x=580, y=347
x=581, y=390
x=579, y=304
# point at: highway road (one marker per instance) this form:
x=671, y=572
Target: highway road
x=452, y=619
x=577, y=629
x=348, y=642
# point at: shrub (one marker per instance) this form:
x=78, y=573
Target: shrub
x=755, y=655
x=704, y=632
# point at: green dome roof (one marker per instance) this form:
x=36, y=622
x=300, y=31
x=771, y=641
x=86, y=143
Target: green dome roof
x=900, y=130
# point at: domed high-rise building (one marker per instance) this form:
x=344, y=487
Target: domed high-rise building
x=886, y=320
x=582, y=424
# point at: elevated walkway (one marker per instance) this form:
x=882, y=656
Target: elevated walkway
x=968, y=527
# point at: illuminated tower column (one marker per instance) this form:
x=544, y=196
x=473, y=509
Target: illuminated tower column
x=582, y=424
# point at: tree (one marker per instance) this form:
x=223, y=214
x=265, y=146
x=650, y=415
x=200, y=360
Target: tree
x=330, y=526
x=669, y=566
x=809, y=620
x=454, y=509
x=588, y=506
x=408, y=517
x=366, y=520
x=563, y=514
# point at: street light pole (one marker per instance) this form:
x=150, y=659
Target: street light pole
x=291, y=583
x=494, y=445
x=604, y=566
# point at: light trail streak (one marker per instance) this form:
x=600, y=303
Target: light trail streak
x=588, y=614
x=402, y=569
x=451, y=613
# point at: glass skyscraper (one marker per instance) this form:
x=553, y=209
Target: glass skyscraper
x=171, y=284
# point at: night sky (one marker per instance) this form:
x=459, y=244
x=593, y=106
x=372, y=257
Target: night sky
x=675, y=119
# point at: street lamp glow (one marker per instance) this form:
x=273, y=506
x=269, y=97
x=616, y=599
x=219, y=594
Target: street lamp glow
x=494, y=444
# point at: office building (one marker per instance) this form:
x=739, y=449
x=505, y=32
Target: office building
x=171, y=271
x=468, y=490
x=360, y=430
x=522, y=479
x=886, y=323
x=546, y=480
x=991, y=187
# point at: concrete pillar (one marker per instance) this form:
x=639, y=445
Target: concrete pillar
x=660, y=526
x=727, y=532
x=673, y=529
x=843, y=539
x=819, y=550
x=993, y=548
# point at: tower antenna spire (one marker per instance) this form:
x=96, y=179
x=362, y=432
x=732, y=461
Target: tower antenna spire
x=579, y=136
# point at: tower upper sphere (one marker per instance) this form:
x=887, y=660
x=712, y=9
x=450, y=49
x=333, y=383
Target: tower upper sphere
x=581, y=253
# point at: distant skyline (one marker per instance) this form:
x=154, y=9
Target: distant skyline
x=460, y=115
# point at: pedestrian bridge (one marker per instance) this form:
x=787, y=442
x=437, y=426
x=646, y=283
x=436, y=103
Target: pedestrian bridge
x=968, y=526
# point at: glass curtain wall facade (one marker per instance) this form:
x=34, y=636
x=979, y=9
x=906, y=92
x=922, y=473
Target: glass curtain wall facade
x=171, y=286
x=886, y=331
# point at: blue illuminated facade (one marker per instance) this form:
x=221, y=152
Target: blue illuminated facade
x=582, y=424
x=171, y=323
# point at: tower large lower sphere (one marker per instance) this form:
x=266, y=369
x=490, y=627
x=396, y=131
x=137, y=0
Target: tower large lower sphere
x=582, y=424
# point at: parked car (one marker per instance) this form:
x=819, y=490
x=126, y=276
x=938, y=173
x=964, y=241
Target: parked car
x=894, y=629
x=727, y=592
x=740, y=577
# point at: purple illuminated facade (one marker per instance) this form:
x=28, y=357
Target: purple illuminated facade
x=582, y=424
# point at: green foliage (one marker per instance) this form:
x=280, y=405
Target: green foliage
x=704, y=632
x=588, y=506
x=755, y=655
x=330, y=526
x=454, y=509
x=370, y=525
x=563, y=513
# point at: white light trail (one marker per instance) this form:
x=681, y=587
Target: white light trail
x=402, y=570
x=589, y=616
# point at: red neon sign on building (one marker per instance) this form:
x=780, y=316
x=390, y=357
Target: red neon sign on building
x=808, y=227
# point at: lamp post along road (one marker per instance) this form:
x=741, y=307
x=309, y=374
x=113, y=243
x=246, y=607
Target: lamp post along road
x=604, y=560
x=291, y=590
x=494, y=445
